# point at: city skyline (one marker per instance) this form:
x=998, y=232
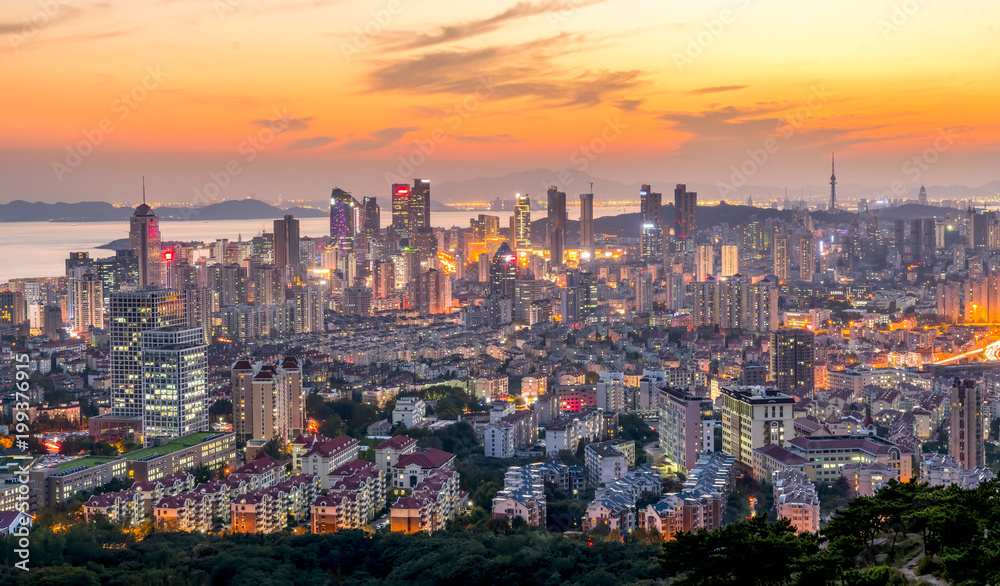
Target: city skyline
x=490, y=89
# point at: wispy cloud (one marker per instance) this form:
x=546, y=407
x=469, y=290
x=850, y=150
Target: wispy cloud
x=517, y=70
x=490, y=138
x=311, y=142
x=287, y=124
x=377, y=140
x=716, y=89
x=628, y=105
x=414, y=40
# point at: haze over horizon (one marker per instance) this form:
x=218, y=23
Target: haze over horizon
x=232, y=98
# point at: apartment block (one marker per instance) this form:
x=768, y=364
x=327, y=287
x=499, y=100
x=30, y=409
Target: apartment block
x=795, y=499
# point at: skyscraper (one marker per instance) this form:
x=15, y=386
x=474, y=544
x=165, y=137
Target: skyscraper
x=286, y=243
x=555, y=227
x=781, y=256
x=966, y=434
x=87, y=292
x=175, y=373
x=131, y=314
x=644, y=294
x=651, y=235
x=704, y=262
x=13, y=309
x=522, y=221
x=807, y=257
x=383, y=279
x=922, y=196
x=503, y=272
x=420, y=204
x=342, y=226
x=401, y=209
x=371, y=221
x=587, y=222
x=730, y=260
x=685, y=217
x=791, y=356
x=144, y=242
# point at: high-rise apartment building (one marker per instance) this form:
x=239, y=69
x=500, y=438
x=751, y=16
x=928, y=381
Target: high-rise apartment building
x=782, y=257
x=522, y=221
x=644, y=293
x=131, y=314
x=87, y=292
x=267, y=400
x=13, y=309
x=704, y=262
x=651, y=233
x=807, y=257
x=965, y=437
x=175, y=373
x=791, y=360
x=383, y=279
x=286, y=244
x=587, y=222
x=685, y=217
x=555, y=227
x=730, y=260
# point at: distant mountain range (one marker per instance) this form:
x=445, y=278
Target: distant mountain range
x=574, y=182
x=99, y=211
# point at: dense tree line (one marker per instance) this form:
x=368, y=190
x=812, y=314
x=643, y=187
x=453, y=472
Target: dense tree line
x=905, y=531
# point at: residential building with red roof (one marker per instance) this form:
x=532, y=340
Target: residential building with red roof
x=410, y=470
x=389, y=451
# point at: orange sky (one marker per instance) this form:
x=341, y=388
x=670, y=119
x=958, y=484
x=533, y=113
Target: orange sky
x=679, y=91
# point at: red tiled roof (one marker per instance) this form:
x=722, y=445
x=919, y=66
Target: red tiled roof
x=331, y=447
x=262, y=463
x=397, y=443
x=431, y=458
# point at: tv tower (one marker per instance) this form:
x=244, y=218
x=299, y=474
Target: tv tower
x=833, y=183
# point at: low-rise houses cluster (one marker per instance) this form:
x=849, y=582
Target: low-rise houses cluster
x=509, y=430
x=699, y=505
x=432, y=504
x=523, y=495
x=942, y=470
x=613, y=507
x=795, y=499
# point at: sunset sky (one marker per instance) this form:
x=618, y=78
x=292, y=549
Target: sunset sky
x=679, y=91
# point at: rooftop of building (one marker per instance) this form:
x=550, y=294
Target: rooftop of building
x=180, y=443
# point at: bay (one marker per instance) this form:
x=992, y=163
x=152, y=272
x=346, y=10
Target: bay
x=40, y=249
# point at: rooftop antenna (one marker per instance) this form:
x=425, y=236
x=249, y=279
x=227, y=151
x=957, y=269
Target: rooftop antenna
x=591, y=187
x=143, y=189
